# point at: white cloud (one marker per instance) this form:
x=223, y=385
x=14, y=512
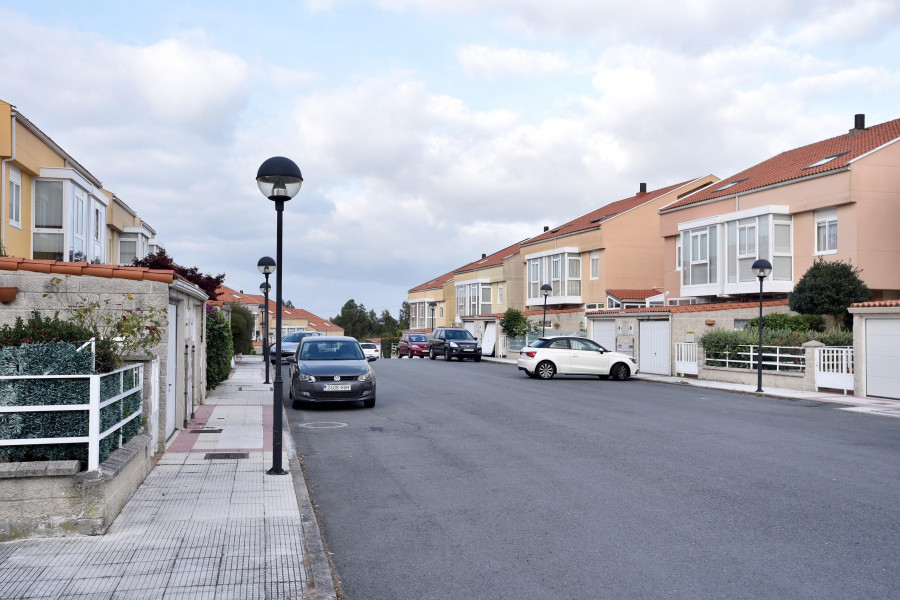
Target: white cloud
x=490, y=62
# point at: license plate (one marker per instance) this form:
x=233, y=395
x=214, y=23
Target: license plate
x=468, y=349
x=337, y=387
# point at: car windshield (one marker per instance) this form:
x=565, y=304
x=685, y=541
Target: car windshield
x=418, y=338
x=457, y=334
x=326, y=349
x=295, y=337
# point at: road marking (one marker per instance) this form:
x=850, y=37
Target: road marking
x=324, y=425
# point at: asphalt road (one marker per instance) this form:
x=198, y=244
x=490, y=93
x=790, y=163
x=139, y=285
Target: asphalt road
x=470, y=480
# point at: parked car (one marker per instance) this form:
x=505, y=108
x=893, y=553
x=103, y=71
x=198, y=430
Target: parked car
x=412, y=344
x=563, y=355
x=370, y=350
x=331, y=369
x=451, y=343
x=289, y=345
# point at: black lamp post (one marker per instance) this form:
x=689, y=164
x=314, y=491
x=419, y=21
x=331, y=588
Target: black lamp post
x=266, y=265
x=279, y=179
x=545, y=291
x=432, y=304
x=762, y=268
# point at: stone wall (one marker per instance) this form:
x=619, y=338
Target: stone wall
x=49, y=499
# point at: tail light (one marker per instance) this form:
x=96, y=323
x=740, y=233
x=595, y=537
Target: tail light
x=530, y=353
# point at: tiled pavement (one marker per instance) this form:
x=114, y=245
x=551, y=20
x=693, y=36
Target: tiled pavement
x=204, y=524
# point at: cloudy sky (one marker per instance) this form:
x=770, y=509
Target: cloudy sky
x=428, y=131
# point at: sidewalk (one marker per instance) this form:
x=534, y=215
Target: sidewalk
x=848, y=402
x=207, y=523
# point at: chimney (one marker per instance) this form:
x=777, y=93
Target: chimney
x=859, y=125
x=242, y=291
x=483, y=255
x=643, y=188
x=546, y=228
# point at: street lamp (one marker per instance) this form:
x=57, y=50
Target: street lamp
x=264, y=287
x=432, y=304
x=762, y=268
x=279, y=179
x=545, y=291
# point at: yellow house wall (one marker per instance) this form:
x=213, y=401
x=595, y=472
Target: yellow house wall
x=30, y=155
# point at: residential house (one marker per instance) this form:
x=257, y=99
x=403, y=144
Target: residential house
x=837, y=199
x=432, y=304
x=51, y=207
x=487, y=288
x=615, y=247
x=129, y=237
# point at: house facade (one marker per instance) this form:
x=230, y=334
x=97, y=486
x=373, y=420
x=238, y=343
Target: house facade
x=432, y=304
x=837, y=199
x=128, y=236
x=615, y=247
x=487, y=288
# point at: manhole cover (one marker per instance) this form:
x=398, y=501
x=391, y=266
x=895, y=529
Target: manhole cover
x=324, y=425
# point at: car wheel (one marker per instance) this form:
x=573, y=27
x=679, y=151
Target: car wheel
x=545, y=370
x=296, y=404
x=431, y=354
x=477, y=359
x=369, y=403
x=530, y=374
x=447, y=356
x=619, y=372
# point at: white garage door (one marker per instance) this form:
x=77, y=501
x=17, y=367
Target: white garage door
x=883, y=358
x=604, y=333
x=654, y=351
x=489, y=339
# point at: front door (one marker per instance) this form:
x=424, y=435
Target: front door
x=490, y=338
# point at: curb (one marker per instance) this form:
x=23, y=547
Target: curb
x=323, y=587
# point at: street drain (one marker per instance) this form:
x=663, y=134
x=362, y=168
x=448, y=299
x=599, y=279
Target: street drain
x=205, y=430
x=226, y=455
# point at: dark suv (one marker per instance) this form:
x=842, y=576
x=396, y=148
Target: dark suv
x=454, y=342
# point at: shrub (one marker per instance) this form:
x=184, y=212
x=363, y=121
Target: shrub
x=513, y=323
x=219, y=349
x=46, y=329
x=789, y=322
x=241, y=329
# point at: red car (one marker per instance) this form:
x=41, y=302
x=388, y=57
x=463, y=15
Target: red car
x=413, y=344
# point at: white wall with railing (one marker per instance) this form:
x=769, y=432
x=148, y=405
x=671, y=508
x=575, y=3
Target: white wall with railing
x=124, y=383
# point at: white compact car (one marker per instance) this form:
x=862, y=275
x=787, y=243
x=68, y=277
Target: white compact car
x=370, y=350
x=549, y=356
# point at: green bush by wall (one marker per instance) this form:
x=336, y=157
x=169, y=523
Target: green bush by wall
x=219, y=349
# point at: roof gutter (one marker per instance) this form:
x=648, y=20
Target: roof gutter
x=761, y=189
x=3, y=166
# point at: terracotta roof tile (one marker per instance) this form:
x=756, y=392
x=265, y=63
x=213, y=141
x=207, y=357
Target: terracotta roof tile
x=877, y=304
x=492, y=260
x=687, y=308
x=631, y=294
x=595, y=218
x=797, y=164
x=92, y=270
x=434, y=284
x=229, y=295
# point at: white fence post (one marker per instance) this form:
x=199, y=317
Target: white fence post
x=94, y=424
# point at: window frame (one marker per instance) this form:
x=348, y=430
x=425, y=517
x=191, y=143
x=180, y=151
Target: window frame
x=15, y=196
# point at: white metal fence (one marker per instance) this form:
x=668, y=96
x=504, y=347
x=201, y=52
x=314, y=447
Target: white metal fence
x=782, y=359
x=834, y=368
x=133, y=374
x=686, y=354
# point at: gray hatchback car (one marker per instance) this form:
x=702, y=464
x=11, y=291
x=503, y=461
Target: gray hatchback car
x=331, y=369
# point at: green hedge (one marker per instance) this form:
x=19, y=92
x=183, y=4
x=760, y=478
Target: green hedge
x=781, y=321
x=60, y=358
x=721, y=340
x=219, y=348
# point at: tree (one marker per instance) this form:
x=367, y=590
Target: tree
x=829, y=288
x=513, y=323
x=389, y=325
x=161, y=260
x=353, y=319
x=403, y=321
